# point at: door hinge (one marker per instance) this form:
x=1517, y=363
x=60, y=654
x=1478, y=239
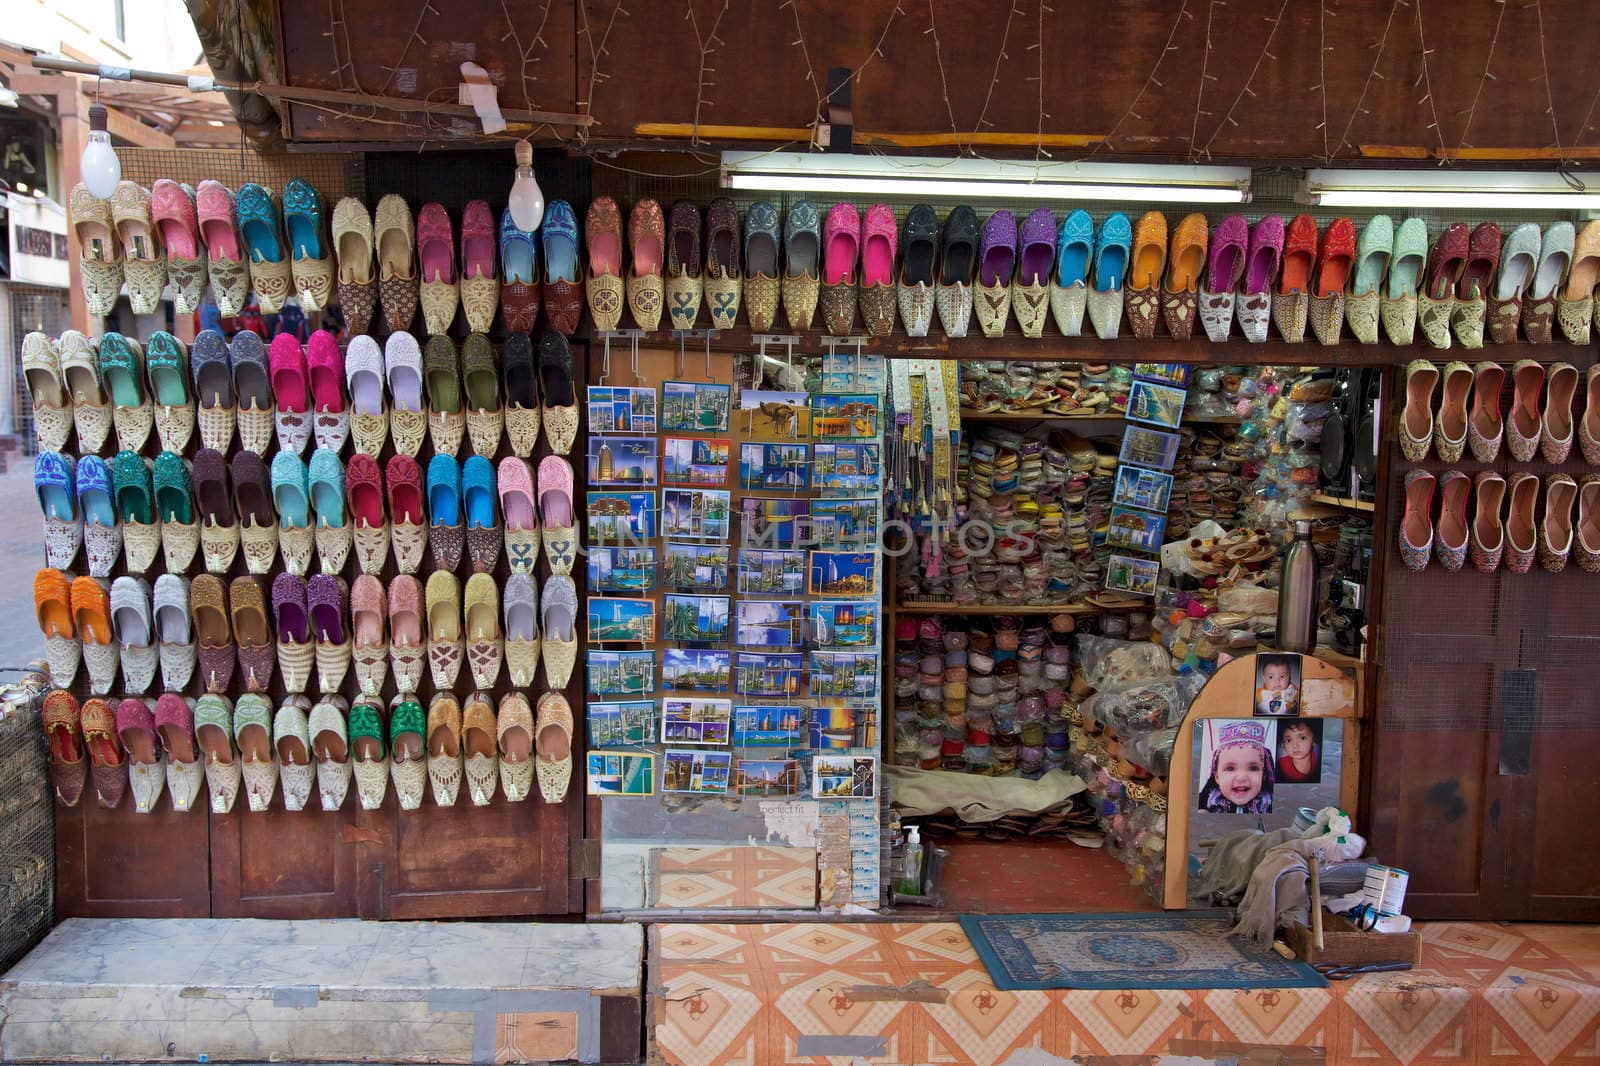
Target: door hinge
x=583, y=857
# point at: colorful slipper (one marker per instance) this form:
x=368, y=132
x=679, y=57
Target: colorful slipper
x=364, y=500
x=369, y=610
x=213, y=634
x=147, y=769
x=915, y=285
x=407, y=646
x=442, y=374
x=446, y=648
x=563, y=284
x=483, y=636
x=1291, y=297
x=252, y=391
x=100, y=265
x=252, y=632
x=174, y=631
x=122, y=370
x=213, y=729
x=1253, y=306
x=330, y=420
x=55, y=483
x=761, y=284
x=1445, y=263
x=1472, y=291
x=1334, y=261
x=1224, y=268
x=262, y=230
x=602, y=229
x=522, y=628
x=447, y=535
x=683, y=284
x=69, y=767
x=1112, y=250
x=444, y=749
x=559, y=405
x=436, y=255
x=47, y=389
x=408, y=525
x=225, y=258
x=1180, y=292
x=481, y=380
x=802, y=278
x=91, y=616
x=144, y=266
x=478, y=502
x=408, y=415
x=514, y=734
x=219, y=531
x=522, y=536
x=556, y=513
x=407, y=763
x=1030, y=290
x=107, y=765
x=102, y=534
x=80, y=368
x=134, y=630
x=371, y=754
x=369, y=417
x=397, y=262
x=167, y=367
x=522, y=414
x=291, y=740
x=519, y=276
x=358, y=282
x=1555, y=256
x=327, y=602
x=1517, y=261
x=311, y=259
x=478, y=745
x=291, y=498
x=1362, y=303
x=879, y=237
x=212, y=366
x=185, y=772
x=1149, y=256
x=330, y=743
x=252, y=731
x=1576, y=307
x=141, y=535
x=252, y=503
x=177, y=224
x=997, y=260
x=724, y=281
x=558, y=616
x=553, y=737
x=841, y=245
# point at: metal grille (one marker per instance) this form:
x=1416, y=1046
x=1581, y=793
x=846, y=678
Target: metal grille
x=27, y=833
x=32, y=308
x=335, y=175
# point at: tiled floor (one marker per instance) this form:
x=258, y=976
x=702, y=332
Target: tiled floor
x=711, y=878
x=748, y=995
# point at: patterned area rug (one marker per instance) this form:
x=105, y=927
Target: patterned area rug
x=1190, y=950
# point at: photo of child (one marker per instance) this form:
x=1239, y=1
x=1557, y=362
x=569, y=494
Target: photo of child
x=1238, y=755
x=1300, y=752
x=1277, y=686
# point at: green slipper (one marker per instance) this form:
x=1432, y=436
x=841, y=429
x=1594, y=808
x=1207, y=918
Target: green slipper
x=167, y=365
x=442, y=368
x=366, y=723
x=1409, y=256
x=174, y=489
x=121, y=367
x=483, y=378
x=1372, y=255
x=130, y=479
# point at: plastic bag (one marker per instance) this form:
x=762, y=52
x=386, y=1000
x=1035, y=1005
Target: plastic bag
x=1108, y=663
x=1144, y=706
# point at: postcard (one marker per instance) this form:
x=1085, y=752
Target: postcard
x=696, y=721
x=847, y=416
x=1168, y=373
x=696, y=669
x=767, y=777
x=845, y=467
x=767, y=414
x=847, y=624
x=844, y=777
x=1125, y=573
x=694, y=619
x=843, y=523
x=766, y=523
x=621, y=724
x=621, y=773
x=627, y=620
x=621, y=673
x=768, y=727
x=772, y=573
x=1138, y=531
x=844, y=674
x=773, y=467
x=835, y=725
x=629, y=461
x=695, y=461
x=1149, y=490
x=695, y=407
x=622, y=569
x=1160, y=405
x=705, y=772
x=621, y=410
x=770, y=623
x=769, y=674
x=1149, y=447
x=621, y=517
x=852, y=370
x=695, y=567
x=698, y=513
x=842, y=573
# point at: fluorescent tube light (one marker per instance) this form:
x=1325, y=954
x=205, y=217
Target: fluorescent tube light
x=851, y=175
x=1479, y=190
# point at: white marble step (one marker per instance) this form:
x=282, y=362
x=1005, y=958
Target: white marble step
x=220, y=990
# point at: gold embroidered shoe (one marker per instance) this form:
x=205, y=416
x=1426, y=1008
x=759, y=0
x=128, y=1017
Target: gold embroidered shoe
x=100, y=265
x=647, y=295
x=144, y=268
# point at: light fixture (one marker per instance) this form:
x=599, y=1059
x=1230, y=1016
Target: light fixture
x=1503, y=190
x=100, y=167
x=875, y=175
x=526, y=201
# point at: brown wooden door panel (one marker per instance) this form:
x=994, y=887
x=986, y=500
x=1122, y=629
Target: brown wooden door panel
x=282, y=864
x=121, y=864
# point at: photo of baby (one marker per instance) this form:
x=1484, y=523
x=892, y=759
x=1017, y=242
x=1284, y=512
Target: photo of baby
x=1237, y=754
x=1277, y=693
x=1300, y=752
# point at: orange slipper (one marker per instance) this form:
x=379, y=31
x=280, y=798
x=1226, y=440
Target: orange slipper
x=1149, y=256
x=1180, y=294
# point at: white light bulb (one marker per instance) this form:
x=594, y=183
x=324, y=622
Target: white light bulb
x=527, y=199
x=100, y=167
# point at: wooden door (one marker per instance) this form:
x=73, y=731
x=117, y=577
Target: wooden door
x=283, y=864
x=119, y=864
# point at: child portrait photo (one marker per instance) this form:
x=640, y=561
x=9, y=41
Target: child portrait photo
x=1300, y=752
x=1277, y=692
x=1237, y=756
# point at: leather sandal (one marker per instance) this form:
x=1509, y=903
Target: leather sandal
x=1524, y=426
x=1450, y=439
x=1488, y=533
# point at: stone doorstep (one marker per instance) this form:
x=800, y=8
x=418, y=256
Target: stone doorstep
x=234, y=990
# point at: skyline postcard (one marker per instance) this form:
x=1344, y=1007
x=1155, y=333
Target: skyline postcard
x=618, y=517
x=622, y=569
x=764, y=726
x=622, y=461
x=695, y=567
x=703, y=772
x=696, y=669
x=770, y=623
x=696, y=721
x=772, y=573
x=842, y=624
x=695, y=619
x=615, y=409
x=700, y=514
x=776, y=674
x=694, y=407
x=842, y=573
x=613, y=620
x=773, y=467
x=695, y=461
x=622, y=723
x=845, y=467
x=767, y=777
x=621, y=673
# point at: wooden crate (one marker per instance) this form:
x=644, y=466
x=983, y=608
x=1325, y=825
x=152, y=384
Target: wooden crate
x=1345, y=945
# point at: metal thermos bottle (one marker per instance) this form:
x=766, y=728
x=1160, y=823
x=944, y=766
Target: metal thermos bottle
x=1297, y=594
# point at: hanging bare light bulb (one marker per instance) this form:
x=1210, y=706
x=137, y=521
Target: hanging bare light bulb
x=100, y=167
x=527, y=199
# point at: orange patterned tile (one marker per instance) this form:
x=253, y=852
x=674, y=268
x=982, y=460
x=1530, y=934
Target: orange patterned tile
x=976, y=1024
x=712, y=1017
x=1540, y=1018
x=1125, y=1021
x=821, y=1004
x=1416, y=1016
x=1280, y=1017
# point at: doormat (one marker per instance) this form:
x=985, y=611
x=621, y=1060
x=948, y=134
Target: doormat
x=1094, y=951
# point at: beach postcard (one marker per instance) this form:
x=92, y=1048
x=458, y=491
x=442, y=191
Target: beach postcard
x=621, y=673
x=621, y=724
x=622, y=569
x=617, y=620
x=621, y=773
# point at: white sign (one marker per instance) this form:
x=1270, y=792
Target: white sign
x=38, y=232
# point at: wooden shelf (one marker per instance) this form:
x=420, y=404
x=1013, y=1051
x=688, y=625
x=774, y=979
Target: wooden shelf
x=989, y=608
x=1110, y=416
x=1344, y=503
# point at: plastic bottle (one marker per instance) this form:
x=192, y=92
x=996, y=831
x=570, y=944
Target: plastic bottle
x=911, y=864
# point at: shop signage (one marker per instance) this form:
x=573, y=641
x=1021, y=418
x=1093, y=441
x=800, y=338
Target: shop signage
x=38, y=232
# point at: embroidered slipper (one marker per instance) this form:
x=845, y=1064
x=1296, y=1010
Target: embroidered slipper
x=1362, y=306
x=289, y=389
x=478, y=747
x=1253, y=306
x=368, y=612
x=47, y=389
x=147, y=769
x=52, y=606
x=371, y=753
x=1398, y=305
x=407, y=762
x=1416, y=420
x=213, y=634
x=447, y=534
x=358, y=283
x=225, y=259
x=327, y=601
x=135, y=632
x=802, y=242
x=1335, y=260
x=522, y=536
x=683, y=283
x=122, y=370
x=364, y=500
x=297, y=650
x=478, y=501
x=1451, y=433
x=291, y=740
x=879, y=238
x=724, y=280
x=369, y=418
x=252, y=731
x=1472, y=290
x=252, y=391
x=1540, y=307
x=436, y=255
x=330, y=743
x=523, y=415
x=1416, y=526
x=1486, y=426
x=177, y=225
x=919, y=236
x=291, y=496
x=553, y=736
x=219, y=530
x=522, y=629
x=252, y=632
x=397, y=262
x=141, y=535
x=1030, y=289
x=408, y=417
x=80, y=368
x=56, y=486
x=841, y=240
x=483, y=636
x=1445, y=264
x=1291, y=297
x=1524, y=426
x=1180, y=291
x=325, y=492
x=330, y=421
x=100, y=263
x=167, y=366
x=558, y=403
x=1487, y=537
x=1522, y=538
x=444, y=749
x=1149, y=256
x=563, y=284
x=997, y=259
x=185, y=773
x=408, y=523
x=1224, y=268
x=252, y=503
x=102, y=533
x=559, y=612
x=1589, y=425
x=514, y=734
x=211, y=365
x=262, y=230
x=144, y=265
x=1576, y=307
x=556, y=513
x=1587, y=542
x=407, y=646
x=108, y=769
x=1555, y=528
x=446, y=648
x=602, y=227
x=442, y=374
x=519, y=276
x=1561, y=385
x=69, y=767
x=1517, y=261
x=311, y=258
x=174, y=633
x=482, y=386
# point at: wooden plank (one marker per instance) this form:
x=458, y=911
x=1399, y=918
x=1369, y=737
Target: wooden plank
x=127, y=128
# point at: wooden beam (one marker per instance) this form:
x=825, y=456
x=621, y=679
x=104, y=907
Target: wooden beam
x=889, y=140
x=126, y=127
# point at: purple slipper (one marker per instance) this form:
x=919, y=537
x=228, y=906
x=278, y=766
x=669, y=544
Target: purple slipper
x=1227, y=257
x=997, y=253
x=1266, y=251
x=289, y=607
x=1038, y=247
x=326, y=596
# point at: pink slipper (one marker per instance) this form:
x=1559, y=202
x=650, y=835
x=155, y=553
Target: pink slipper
x=515, y=481
x=555, y=491
x=477, y=241
x=287, y=362
x=878, y=237
x=840, y=237
x=325, y=367
x=435, y=244
x=219, y=222
x=405, y=611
